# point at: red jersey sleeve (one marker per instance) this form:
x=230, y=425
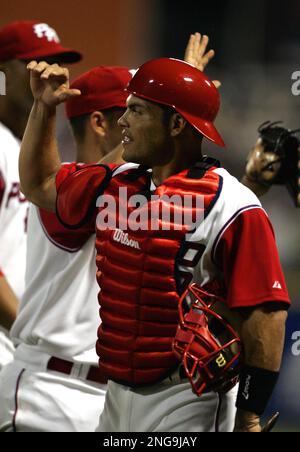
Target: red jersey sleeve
x=78, y=188
x=66, y=239
x=248, y=256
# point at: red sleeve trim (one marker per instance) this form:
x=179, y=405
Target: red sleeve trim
x=247, y=254
x=61, y=237
x=2, y=187
x=78, y=193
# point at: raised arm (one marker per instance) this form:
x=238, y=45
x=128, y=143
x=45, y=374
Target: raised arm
x=39, y=158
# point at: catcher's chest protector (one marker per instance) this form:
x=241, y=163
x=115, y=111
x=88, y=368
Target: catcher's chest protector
x=139, y=276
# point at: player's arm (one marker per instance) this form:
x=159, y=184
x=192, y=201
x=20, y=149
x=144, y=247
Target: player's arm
x=197, y=55
x=262, y=333
x=8, y=303
x=256, y=288
x=39, y=158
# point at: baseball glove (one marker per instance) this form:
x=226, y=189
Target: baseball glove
x=276, y=159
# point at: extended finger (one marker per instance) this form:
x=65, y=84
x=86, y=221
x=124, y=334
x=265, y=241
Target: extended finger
x=207, y=57
x=38, y=68
x=30, y=66
x=66, y=94
x=55, y=71
x=190, y=47
x=203, y=44
x=197, y=43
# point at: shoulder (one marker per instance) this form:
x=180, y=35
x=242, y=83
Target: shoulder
x=232, y=200
x=234, y=197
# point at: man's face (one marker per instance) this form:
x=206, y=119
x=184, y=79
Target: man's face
x=145, y=134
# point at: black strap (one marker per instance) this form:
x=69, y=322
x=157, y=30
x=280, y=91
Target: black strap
x=136, y=173
x=200, y=169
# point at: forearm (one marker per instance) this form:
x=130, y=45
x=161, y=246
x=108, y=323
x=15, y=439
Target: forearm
x=39, y=159
x=8, y=304
x=263, y=336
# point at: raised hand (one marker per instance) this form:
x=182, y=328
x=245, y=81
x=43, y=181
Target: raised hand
x=50, y=83
x=196, y=55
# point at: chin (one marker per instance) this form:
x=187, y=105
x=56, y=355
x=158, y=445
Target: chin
x=130, y=157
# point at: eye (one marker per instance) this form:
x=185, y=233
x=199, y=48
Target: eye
x=136, y=110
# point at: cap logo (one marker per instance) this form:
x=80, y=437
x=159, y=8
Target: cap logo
x=44, y=31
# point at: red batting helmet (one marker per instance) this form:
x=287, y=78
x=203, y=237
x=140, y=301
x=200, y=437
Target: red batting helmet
x=179, y=85
x=206, y=343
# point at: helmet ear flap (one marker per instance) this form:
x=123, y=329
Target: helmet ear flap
x=207, y=345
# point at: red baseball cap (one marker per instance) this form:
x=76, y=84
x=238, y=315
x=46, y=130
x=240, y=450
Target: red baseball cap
x=29, y=40
x=101, y=88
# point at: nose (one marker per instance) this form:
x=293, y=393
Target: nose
x=122, y=122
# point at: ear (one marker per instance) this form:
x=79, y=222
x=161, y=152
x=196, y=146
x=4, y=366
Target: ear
x=177, y=125
x=98, y=123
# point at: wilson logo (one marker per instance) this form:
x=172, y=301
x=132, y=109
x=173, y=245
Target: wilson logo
x=123, y=238
x=246, y=392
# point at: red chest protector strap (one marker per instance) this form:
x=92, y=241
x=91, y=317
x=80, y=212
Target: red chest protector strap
x=77, y=196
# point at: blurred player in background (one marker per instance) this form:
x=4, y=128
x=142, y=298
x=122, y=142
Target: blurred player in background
x=19, y=42
x=265, y=168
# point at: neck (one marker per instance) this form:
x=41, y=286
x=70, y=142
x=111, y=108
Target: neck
x=177, y=165
x=88, y=154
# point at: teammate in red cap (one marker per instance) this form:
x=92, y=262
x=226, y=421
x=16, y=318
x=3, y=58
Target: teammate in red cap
x=19, y=42
x=144, y=266
x=54, y=371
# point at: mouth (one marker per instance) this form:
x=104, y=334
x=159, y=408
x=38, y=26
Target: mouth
x=127, y=139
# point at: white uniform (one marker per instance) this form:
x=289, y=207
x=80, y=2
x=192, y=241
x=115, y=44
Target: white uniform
x=57, y=321
x=237, y=248
x=13, y=213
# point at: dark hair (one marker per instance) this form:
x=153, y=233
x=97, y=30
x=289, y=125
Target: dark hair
x=111, y=113
x=168, y=112
x=78, y=124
